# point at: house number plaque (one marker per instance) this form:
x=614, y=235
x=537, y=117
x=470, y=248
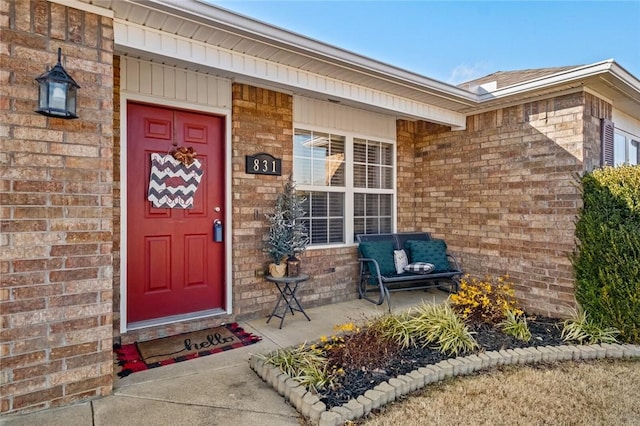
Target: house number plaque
x=263, y=164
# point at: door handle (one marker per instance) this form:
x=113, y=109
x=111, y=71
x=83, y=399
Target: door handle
x=217, y=231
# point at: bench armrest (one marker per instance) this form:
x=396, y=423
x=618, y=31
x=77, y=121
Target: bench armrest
x=365, y=261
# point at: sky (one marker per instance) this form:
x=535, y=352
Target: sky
x=457, y=41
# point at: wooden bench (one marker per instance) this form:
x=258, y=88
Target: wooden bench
x=378, y=270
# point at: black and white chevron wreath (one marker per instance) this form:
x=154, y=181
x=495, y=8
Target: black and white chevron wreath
x=173, y=184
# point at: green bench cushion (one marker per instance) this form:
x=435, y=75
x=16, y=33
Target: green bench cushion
x=430, y=251
x=382, y=252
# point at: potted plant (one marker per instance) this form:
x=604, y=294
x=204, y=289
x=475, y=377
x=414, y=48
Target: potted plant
x=288, y=235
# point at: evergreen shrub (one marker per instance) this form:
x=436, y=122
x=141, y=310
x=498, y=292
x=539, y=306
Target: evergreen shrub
x=607, y=258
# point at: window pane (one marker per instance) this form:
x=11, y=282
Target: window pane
x=335, y=173
x=372, y=225
x=385, y=205
x=318, y=204
x=377, y=214
x=358, y=226
x=359, y=151
x=337, y=146
x=306, y=204
x=634, y=153
x=619, y=149
x=371, y=205
x=373, y=177
x=326, y=219
x=336, y=204
x=319, y=231
x=385, y=224
x=359, y=176
x=387, y=177
x=387, y=154
x=301, y=145
x=319, y=173
x=318, y=158
x=336, y=231
x=302, y=171
x=358, y=204
x=373, y=154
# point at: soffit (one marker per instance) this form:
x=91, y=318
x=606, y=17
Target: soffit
x=219, y=27
x=227, y=30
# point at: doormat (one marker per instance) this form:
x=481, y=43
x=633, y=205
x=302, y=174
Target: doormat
x=140, y=356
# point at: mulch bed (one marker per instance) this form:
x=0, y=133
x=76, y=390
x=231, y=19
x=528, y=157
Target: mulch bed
x=544, y=332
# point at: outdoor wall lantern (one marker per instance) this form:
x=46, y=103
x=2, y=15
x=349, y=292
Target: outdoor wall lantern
x=57, y=96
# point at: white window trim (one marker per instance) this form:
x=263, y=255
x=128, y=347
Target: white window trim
x=629, y=138
x=348, y=190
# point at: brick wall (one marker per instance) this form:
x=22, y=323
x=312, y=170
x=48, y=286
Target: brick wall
x=503, y=194
x=56, y=211
x=262, y=122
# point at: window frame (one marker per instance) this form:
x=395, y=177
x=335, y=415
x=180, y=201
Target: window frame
x=628, y=140
x=349, y=189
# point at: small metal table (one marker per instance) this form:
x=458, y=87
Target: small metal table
x=287, y=286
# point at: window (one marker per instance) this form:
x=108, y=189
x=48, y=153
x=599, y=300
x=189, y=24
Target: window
x=348, y=182
x=625, y=149
x=618, y=147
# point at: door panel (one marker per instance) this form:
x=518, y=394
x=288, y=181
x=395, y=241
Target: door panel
x=173, y=265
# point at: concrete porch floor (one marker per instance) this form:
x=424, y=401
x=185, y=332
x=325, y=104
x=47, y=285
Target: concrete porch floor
x=218, y=389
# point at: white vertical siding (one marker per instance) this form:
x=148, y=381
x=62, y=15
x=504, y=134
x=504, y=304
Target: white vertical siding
x=162, y=81
x=332, y=116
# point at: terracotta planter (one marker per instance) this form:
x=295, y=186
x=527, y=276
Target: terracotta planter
x=277, y=270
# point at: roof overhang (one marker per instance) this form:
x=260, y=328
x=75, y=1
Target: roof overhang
x=209, y=39
x=606, y=79
x=198, y=36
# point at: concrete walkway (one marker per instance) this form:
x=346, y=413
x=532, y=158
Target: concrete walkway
x=218, y=389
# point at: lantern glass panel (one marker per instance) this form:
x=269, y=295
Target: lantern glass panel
x=71, y=100
x=57, y=96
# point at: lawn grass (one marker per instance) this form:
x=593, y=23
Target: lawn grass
x=601, y=392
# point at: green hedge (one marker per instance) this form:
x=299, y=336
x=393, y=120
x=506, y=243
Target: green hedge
x=607, y=260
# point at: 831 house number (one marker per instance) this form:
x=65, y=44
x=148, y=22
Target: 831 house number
x=263, y=164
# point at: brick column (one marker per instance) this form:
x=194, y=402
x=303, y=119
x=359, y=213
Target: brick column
x=56, y=211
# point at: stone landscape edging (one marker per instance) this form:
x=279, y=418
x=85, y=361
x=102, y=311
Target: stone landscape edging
x=310, y=406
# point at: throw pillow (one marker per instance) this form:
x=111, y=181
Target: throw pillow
x=401, y=260
x=420, y=268
x=382, y=252
x=429, y=251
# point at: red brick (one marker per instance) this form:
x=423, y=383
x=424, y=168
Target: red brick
x=37, y=264
x=24, y=360
x=37, y=186
x=15, y=280
x=23, y=225
x=32, y=399
x=73, y=299
x=89, y=384
x=28, y=305
x=73, y=274
x=88, y=261
x=41, y=17
x=11, y=334
x=74, y=249
x=89, y=359
x=71, y=351
x=37, y=291
x=73, y=325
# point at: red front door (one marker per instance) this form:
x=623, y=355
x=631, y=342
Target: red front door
x=174, y=267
